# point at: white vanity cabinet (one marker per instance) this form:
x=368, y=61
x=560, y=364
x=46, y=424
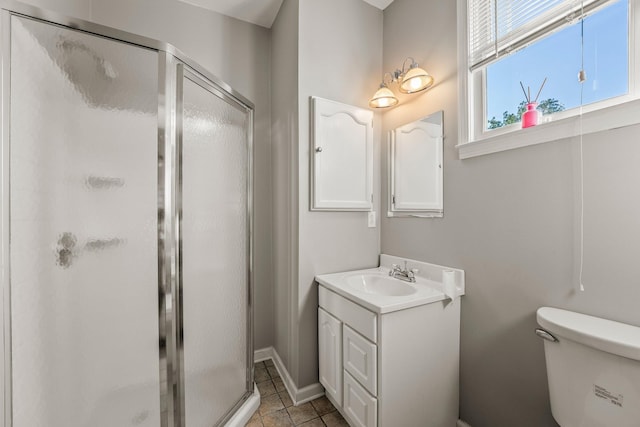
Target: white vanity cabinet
x=390, y=369
x=353, y=357
x=330, y=360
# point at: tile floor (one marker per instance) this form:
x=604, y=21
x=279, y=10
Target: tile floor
x=277, y=410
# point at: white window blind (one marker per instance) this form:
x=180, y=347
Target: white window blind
x=497, y=27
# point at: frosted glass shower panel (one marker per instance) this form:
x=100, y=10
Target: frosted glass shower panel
x=84, y=256
x=214, y=252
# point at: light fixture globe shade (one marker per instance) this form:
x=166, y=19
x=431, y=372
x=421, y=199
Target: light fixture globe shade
x=383, y=98
x=415, y=80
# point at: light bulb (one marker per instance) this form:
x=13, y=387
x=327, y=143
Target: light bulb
x=383, y=98
x=415, y=80
x=415, y=83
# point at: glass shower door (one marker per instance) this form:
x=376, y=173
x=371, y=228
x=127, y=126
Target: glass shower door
x=84, y=229
x=214, y=251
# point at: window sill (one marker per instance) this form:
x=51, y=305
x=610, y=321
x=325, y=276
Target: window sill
x=416, y=214
x=616, y=116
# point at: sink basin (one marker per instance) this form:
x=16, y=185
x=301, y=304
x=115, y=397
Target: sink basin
x=379, y=285
x=375, y=290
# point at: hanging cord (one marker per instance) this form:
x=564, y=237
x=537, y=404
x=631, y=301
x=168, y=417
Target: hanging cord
x=581, y=197
x=495, y=26
x=582, y=77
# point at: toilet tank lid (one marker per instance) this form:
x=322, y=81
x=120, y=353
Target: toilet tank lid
x=606, y=335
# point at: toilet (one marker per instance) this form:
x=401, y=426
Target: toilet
x=593, y=368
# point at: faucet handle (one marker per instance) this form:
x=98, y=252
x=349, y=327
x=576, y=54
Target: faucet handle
x=415, y=271
x=394, y=268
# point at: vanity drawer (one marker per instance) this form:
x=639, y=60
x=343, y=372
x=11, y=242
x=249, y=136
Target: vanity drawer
x=360, y=407
x=359, y=358
x=357, y=317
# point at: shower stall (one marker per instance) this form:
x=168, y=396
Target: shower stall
x=125, y=229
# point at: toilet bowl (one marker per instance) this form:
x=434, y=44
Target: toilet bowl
x=593, y=369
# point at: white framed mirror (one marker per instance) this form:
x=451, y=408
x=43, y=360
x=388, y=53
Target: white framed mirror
x=415, y=168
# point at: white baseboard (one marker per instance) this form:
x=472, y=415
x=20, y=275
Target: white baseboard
x=461, y=423
x=263, y=354
x=298, y=395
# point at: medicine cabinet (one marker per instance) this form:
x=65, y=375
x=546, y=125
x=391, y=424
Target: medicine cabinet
x=415, y=168
x=342, y=157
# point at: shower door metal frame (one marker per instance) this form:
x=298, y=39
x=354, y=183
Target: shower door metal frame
x=5, y=369
x=171, y=61
x=184, y=71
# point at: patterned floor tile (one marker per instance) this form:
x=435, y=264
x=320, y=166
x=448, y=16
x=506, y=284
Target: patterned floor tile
x=279, y=384
x=273, y=372
x=322, y=405
x=277, y=419
x=261, y=374
x=266, y=388
x=334, y=419
x=286, y=399
x=316, y=422
x=276, y=407
x=301, y=413
x=269, y=404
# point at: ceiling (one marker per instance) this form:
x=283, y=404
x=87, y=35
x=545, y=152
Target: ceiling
x=259, y=12
x=380, y=4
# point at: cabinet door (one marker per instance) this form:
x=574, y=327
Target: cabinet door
x=342, y=150
x=361, y=408
x=330, y=358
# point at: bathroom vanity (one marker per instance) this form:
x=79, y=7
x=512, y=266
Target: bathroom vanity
x=389, y=349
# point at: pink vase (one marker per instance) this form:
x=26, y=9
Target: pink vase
x=530, y=117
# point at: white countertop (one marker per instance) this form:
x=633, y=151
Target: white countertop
x=427, y=291
x=427, y=288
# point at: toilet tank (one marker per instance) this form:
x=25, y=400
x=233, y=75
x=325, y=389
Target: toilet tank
x=593, y=369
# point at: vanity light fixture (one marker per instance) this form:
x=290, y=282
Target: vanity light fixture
x=411, y=80
x=383, y=97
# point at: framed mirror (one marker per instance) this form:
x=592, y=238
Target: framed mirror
x=415, y=168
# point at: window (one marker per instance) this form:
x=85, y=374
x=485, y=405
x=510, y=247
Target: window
x=510, y=42
x=558, y=58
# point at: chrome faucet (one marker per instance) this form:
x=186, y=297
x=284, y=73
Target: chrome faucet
x=403, y=274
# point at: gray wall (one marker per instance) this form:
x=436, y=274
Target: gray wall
x=511, y=222
x=76, y=8
x=237, y=52
x=340, y=58
x=342, y=64
x=284, y=114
